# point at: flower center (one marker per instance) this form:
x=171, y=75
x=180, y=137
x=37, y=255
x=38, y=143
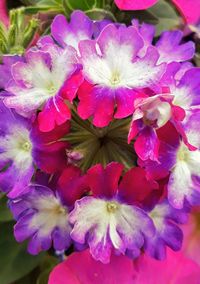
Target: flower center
x=115, y=78
x=59, y=210
x=51, y=89
x=26, y=146
x=183, y=154
x=100, y=145
x=112, y=207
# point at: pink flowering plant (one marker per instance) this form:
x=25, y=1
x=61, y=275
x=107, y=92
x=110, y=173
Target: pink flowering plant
x=99, y=142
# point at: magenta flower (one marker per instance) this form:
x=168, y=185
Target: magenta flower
x=79, y=28
x=47, y=77
x=3, y=12
x=176, y=269
x=113, y=81
x=165, y=219
x=42, y=213
x=23, y=146
x=183, y=165
x=135, y=4
x=82, y=268
x=42, y=218
x=109, y=221
x=189, y=9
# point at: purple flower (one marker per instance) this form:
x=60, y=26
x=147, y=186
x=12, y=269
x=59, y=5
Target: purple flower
x=184, y=83
x=23, y=146
x=107, y=221
x=171, y=49
x=169, y=45
x=46, y=78
x=15, y=151
x=150, y=114
x=165, y=219
x=115, y=72
x=5, y=69
x=42, y=217
x=79, y=28
x=184, y=168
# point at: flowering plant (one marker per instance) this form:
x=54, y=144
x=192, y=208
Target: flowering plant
x=100, y=143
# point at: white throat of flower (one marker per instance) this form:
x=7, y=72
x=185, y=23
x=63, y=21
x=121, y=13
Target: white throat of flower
x=50, y=214
x=17, y=147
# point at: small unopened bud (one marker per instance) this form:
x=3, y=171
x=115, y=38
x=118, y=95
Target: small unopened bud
x=74, y=157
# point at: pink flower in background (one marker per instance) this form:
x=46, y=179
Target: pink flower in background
x=3, y=12
x=189, y=9
x=135, y=4
x=81, y=268
x=176, y=269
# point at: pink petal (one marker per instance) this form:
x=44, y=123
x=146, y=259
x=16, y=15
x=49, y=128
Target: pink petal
x=81, y=268
x=3, y=12
x=71, y=86
x=51, y=136
x=190, y=9
x=175, y=269
x=147, y=144
x=71, y=184
x=138, y=190
x=134, y=4
x=104, y=181
x=54, y=113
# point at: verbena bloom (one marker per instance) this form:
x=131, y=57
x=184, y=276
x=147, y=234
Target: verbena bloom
x=150, y=114
x=42, y=217
x=189, y=9
x=183, y=166
x=114, y=73
x=165, y=219
x=46, y=78
x=109, y=220
x=78, y=184
x=5, y=69
x=170, y=45
x=23, y=146
x=79, y=28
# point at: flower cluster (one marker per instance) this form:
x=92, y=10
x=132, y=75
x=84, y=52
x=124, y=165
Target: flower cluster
x=100, y=144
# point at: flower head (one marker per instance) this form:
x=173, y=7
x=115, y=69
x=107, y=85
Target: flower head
x=114, y=73
x=46, y=78
x=107, y=222
x=23, y=146
x=42, y=218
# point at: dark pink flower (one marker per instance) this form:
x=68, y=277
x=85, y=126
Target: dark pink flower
x=189, y=9
x=81, y=268
x=175, y=269
x=134, y=4
x=3, y=12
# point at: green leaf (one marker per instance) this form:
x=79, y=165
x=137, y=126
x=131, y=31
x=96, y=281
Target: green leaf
x=15, y=262
x=166, y=15
x=83, y=4
x=5, y=214
x=46, y=267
